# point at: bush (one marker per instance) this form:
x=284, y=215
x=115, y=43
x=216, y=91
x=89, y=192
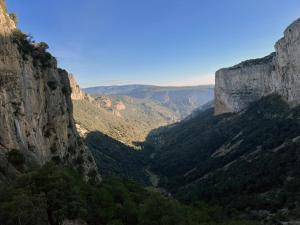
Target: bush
x=16, y=158
x=53, y=194
x=14, y=17
x=24, y=43
x=27, y=47
x=42, y=46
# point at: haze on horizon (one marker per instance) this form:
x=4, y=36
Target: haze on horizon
x=157, y=42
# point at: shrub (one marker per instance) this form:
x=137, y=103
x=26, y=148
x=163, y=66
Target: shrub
x=24, y=43
x=16, y=158
x=42, y=46
x=27, y=47
x=56, y=159
x=14, y=17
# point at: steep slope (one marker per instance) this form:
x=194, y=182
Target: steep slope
x=181, y=100
x=35, y=106
x=244, y=153
x=238, y=86
x=115, y=159
x=90, y=117
x=243, y=161
x=113, y=127
x=126, y=119
x=146, y=115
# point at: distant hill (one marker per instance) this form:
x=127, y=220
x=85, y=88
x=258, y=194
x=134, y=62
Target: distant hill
x=123, y=118
x=181, y=100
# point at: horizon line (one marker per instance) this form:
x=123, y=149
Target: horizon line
x=153, y=85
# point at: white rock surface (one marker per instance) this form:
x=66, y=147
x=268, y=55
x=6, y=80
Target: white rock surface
x=77, y=93
x=248, y=81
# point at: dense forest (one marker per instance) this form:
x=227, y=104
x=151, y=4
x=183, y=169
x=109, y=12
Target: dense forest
x=248, y=161
x=53, y=194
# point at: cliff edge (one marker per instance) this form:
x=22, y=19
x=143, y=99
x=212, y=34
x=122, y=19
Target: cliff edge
x=36, y=113
x=236, y=87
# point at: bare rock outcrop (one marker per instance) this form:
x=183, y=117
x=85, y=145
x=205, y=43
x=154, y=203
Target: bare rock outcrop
x=77, y=93
x=36, y=114
x=238, y=86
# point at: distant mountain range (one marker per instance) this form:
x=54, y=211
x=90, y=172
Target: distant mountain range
x=181, y=100
x=116, y=120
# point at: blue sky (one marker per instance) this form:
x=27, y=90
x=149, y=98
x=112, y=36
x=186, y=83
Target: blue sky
x=162, y=42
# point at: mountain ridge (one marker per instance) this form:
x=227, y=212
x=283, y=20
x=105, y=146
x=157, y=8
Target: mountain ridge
x=181, y=100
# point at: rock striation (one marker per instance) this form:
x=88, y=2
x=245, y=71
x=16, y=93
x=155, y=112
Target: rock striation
x=238, y=86
x=36, y=114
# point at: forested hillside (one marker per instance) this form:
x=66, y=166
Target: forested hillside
x=123, y=118
x=247, y=161
x=114, y=158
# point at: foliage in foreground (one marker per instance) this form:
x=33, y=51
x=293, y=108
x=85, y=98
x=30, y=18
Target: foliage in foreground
x=53, y=194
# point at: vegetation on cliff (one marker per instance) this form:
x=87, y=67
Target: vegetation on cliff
x=27, y=47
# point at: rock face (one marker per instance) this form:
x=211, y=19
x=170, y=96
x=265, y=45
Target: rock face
x=36, y=113
x=77, y=93
x=248, y=81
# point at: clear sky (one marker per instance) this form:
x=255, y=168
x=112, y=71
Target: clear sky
x=163, y=42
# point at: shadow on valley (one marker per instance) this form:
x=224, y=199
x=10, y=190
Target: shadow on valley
x=247, y=161
x=218, y=159
x=117, y=159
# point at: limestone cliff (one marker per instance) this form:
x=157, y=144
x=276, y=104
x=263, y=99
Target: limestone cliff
x=77, y=93
x=248, y=81
x=36, y=115
x=102, y=102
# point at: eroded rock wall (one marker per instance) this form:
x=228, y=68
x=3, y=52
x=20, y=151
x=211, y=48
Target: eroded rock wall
x=238, y=86
x=77, y=93
x=36, y=115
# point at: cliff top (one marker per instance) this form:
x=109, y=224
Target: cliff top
x=292, y=26
x=252, y=62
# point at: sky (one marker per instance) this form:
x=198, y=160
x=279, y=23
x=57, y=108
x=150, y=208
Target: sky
x=160, y=42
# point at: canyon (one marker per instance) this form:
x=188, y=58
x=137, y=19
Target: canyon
x=142, y=154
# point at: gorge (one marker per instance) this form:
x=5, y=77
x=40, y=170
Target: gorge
x=144, y=154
